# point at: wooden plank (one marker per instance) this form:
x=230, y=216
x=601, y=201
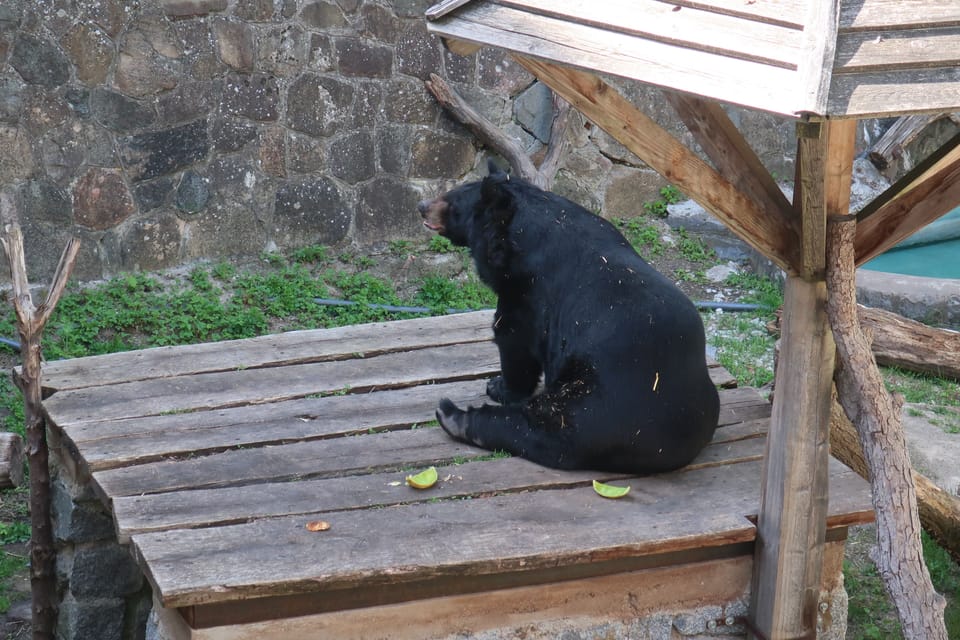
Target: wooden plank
x=791, y=525
x=910, y=204
x=133, y=441
x=444, y=7
x=865, y=95
x=137, y=513
x=693, y=28
x=517, y=532
x=860, y=52
x=292, y=347
x=721, y=77
x=888, y=15
x=783, y=12
x=819, y=44
x=730, y=153
x=296, y=460
x=210, y=391
x=614, y=114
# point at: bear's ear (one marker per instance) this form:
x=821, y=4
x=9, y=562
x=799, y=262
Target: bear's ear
x=495, y=171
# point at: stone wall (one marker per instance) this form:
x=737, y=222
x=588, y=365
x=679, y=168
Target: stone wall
x=166, y=131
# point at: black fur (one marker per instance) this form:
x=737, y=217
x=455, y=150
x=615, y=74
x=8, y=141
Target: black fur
x=619, y=347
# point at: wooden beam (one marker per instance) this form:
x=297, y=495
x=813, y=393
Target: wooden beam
x=730, y=153
x=770, y=235
x=920, y=197
x=791, y=526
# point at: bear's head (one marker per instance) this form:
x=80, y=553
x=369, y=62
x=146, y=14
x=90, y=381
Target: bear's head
x=474, y=212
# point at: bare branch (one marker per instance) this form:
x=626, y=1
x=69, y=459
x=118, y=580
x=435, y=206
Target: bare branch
x=563, y=115
x=59, y=282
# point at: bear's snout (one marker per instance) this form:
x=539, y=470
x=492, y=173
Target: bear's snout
x=433, y=213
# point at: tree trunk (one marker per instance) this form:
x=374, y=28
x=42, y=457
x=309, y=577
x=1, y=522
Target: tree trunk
x=899, y=342
x=939, y=510
x=876, y=415
x=30, y=323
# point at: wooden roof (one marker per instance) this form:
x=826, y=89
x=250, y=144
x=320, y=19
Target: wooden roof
x=835, y=58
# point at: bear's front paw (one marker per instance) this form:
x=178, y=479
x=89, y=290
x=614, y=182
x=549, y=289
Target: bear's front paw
x=452, y=419
x=498, y=392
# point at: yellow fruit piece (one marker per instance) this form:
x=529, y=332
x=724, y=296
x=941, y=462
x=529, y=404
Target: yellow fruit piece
x=610, y=491
x=423, y=480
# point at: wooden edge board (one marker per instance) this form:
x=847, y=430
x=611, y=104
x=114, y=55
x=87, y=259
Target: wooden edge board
x=891, y=15
x=787, y=13
x=633, y=571
x=864, y=52
x=893, y=93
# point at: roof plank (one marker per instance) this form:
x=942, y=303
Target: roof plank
x=888, y=15
x=923, y=48
x=864, y=95
x=722, y=77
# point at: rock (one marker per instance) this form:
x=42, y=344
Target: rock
x=105, y=570
x=352, y=158
x=387, y=209
x=283, y=51
x=16, y=159
x=193, y=192
x=273, y=152
x=91, y=51
x=101, y=199
x=255, y=96
x=140, y=70
x=379, y=23
x=323, y=15
x=119, y=113
x=410, y=103
x=189, y=8
x=719, y=273
x=438, y=155
x=310, y=212
x=231, y=134
x=101, y=619
x=305, y=154
x=418, y=52
x=188, y=101
x=363, y=58
x=39, y=61
x=151, y=243
x=628, y=189
x=149, y=155
x=533, y=110
x=11, y=102
x=110, y=15
x=153, y=194
x=235, y=43
x=316, y=105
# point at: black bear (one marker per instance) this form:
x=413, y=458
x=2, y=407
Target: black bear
x=621, y=349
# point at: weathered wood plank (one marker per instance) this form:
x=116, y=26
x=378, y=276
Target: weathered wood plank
x=864, y=95
x=296, y=460
x=208, y=507
x=860, y=52
x=913, y=202
x=891, y=15
x=11, y=460
x=693, y=28
x=655, y=146
x=217, y=390
x=819, y=44
x=720, y=77
x=292, y=347
x=784, y=12
x=518, y=532
x=133, y=441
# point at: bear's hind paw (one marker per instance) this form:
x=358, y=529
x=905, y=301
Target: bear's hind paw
x=452, y=419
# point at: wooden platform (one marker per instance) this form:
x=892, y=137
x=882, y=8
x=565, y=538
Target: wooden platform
x=214, y=458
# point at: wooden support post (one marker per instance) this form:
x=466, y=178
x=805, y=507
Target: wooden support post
x=793, y=507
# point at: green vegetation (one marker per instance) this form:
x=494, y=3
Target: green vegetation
x=668, y=195
x=10, y=565
x=644, y=236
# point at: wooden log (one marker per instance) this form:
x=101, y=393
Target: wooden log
x=889, y=148
x=876, y=414
x=908, y=344
x=11, y=460
x=939, y=510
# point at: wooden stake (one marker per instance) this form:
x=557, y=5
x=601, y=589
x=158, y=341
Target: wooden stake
x=30, y=323
x=876, y=414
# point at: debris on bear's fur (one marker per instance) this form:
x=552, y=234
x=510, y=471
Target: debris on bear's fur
x=620, y=348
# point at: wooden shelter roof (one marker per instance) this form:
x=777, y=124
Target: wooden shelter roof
x=832, y=58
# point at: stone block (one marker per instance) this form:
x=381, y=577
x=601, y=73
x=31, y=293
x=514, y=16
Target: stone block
x=151, y=243
x=357, y=57
x=418, y=52
x=255, y=96
x=118, y=112
x=317, y=105
x=189, y=8
x=379, y=23
x=109, y=15
x=79, y=522
x=311, y=211
x=459, y=68
x=411, y=8
x=153, y=193
x=141, y=71
x=88, y=619
x=352, y=158
x=439, y=155
x=43, y=109
x=149, y=155
x=200, y=61
x=101, y=199
x=322, y=55
x=533, y=110
x=11, y=103
x=104, y=571
x=273, y=153
x=188, y=101
x=91, y=51
x=16, y=158
x=193, y=192
x=394, y=148
x=386, y=210
x=231, y=134
x=283, y=51
x=39, y=61
x=498, y=72
x=255, y=10
x=323, y=16
x=235, y=44
x=628, y=189
x=410, y=103
x=304, y=153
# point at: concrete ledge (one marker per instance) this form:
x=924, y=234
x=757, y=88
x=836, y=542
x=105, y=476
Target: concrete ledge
x=932, y=301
